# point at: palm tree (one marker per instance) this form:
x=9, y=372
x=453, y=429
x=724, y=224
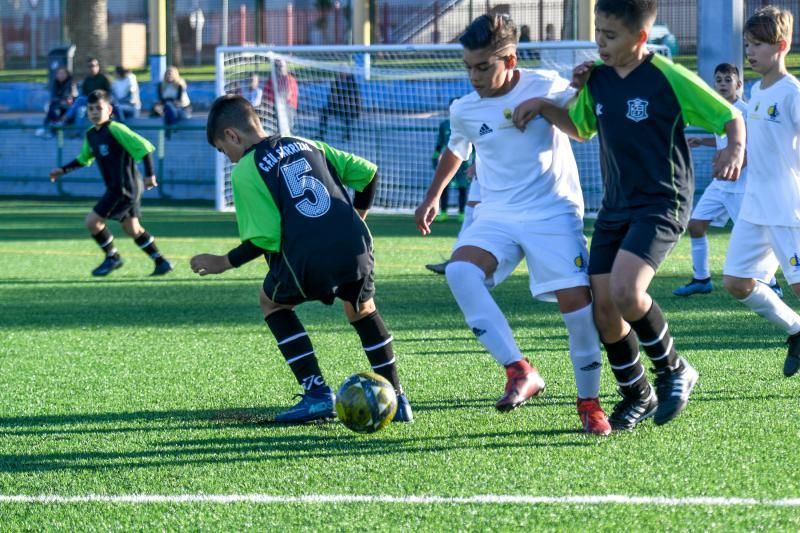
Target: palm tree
x=87, y=29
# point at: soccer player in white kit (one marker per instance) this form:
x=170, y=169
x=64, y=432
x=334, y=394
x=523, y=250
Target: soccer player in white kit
x=767, y=232
x=531, y=206
x=722, y=199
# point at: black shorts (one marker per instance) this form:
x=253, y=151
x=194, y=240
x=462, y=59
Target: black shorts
x=280, y=286
x=647, y=235
x=118, y=206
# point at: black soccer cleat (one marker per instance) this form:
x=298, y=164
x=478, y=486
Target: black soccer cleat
x=162, y=267
x=792, y=363
x=313, y=405
x=673, y=388
x=437, y=268
x=632, y=410
x=403, y=413
x=108, y=264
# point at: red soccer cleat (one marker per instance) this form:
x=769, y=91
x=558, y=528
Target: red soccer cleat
x=523, y=383
x=593, y=418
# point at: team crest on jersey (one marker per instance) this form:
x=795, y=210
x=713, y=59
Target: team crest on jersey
x=637, y=109
x=103, y=149
x=772, y=112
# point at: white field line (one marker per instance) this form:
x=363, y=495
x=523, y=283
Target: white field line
x=489, y=499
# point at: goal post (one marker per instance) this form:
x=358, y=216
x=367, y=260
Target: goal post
x=383, y=103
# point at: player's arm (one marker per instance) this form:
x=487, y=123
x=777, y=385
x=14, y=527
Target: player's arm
x=728, y=162
x=552, y=112
x=84, y=159
x=362, y=200
x=139, y=148
x=428, y=209
x=205, y=264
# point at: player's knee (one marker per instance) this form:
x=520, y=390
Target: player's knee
x=267, y=306
x=696, y=229
x=461, y=275
x=93, y=222
x=739, y=288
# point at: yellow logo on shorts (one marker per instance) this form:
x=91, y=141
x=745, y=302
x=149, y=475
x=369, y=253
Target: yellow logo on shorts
x=580, y=262
x=794, y=260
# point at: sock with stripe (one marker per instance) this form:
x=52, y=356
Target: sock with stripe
x=105, y=240
x=623, y=358
x=377, y=343
x=653, y=332
x=147, y=243
x=294, y=344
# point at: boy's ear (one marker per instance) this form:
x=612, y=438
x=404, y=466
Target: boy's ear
x=511, y=61
x=783, y=45
x=642, y=40
x=231, y=135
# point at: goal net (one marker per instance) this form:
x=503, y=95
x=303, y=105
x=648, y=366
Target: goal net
x=383, y=103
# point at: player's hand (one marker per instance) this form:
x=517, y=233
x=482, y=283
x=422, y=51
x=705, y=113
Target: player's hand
x=150, y=182
x=56, y=173
x=581, y=73
x=728, y=163
x=694, y=142
x=425, y=214
x=205, y=264
x=525, y=112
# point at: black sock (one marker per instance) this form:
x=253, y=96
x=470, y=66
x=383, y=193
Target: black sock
x=377, y=343
x=656, y=339
x=105, y=240
x=294, y=344
x=623, y=357
x=147, y=243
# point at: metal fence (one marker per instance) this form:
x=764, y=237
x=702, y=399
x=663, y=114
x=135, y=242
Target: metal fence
x=27, y=33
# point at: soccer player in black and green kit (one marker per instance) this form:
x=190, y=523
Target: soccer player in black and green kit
x=639, y=103
x=116, y=149
x=293, y=208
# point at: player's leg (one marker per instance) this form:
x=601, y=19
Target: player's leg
x=556, y=253
x=701, y=273
x=377, y=343
x=96, y=224
x=754, y=253
x=647, y=243
x=484, y=255
x=295, y=346
x=146, y=243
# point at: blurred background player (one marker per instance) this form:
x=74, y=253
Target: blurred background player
x=116, y=149
x=767, y=232
x=291, y=205
x=722, y=199
x=637, y=95
x=460, y=181
x=531, y=206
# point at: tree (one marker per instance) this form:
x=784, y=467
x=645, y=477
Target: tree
x=87, y=29
x=2, y=49
x=176, y=52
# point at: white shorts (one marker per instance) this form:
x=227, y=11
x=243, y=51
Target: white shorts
x=474, y=194
x=555, y=251
x=718, y=206
x=756, y=251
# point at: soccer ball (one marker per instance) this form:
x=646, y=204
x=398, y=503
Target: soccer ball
x=366, y=402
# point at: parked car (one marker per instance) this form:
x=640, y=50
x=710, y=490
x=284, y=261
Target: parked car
x=660, y=34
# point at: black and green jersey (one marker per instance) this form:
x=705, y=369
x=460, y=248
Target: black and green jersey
x=291, y=200
x=117, y=149
x=644, y=157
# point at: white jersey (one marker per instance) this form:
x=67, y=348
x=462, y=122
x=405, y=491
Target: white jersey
x=737, y=186
x=772, y=194
x=530, y=174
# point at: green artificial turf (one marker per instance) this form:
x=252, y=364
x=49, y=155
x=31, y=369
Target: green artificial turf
x=132, y=385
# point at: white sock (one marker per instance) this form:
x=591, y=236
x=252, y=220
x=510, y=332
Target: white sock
x=700, y=258
x=584, y=350
x=481, y=312
x=766, y=303
x=469, y=214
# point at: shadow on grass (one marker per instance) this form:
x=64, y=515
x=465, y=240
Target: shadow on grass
x=263, y=447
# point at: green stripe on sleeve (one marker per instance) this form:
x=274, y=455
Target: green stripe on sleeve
x=581, y=113
x=353, y=171
x=257, y=214
x=86, y=157
x=700, y=105
x=132, y=142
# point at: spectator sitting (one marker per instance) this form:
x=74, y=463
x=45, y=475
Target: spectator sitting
x=173, y=100
x=344, y=101
x=253, y=93
x=62, y=95
x=93, y=81
x=287, y=91
x=125, y=95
